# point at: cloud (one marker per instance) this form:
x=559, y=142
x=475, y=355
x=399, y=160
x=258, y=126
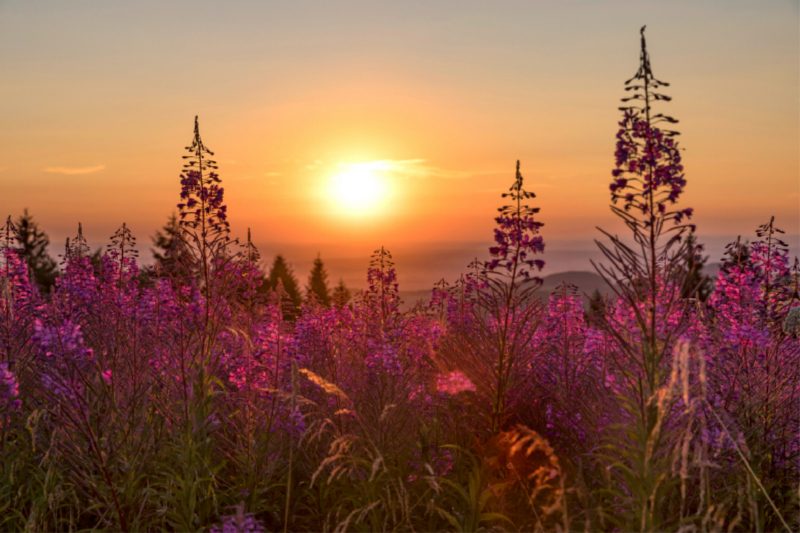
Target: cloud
x=311, y=166
x=414, y=168
x=64, y=170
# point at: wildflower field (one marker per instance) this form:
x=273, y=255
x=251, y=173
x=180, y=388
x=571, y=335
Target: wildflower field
x=189, y=396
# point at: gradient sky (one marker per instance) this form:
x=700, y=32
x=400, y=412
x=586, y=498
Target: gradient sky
x=99, y=98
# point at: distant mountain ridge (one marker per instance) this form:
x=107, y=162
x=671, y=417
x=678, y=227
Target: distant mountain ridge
x=586, y=282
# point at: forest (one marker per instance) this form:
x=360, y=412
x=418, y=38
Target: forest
x=202, y=393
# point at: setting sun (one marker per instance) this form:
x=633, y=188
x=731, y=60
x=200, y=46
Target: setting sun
x=359, y=189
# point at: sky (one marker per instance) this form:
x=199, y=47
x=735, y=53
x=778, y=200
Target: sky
x=340, y=127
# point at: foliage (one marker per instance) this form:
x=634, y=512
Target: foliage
x=281, y=273
x=318, y=283
x=696, y=284
x=165, y=239
x=34, y=242
x=341, y=295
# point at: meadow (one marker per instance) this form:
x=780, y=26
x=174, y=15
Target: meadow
x=186, y=397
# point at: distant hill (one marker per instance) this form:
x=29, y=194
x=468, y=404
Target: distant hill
x=410, y=298
x=587, y=282
x=712, y=271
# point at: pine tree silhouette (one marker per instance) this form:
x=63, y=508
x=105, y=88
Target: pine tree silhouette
x=33, y=242
x=318, y=283
x=696, y=284
x=281, y=270
x=596, y=307
x=164, y=238
x=341, y=294
x=169, y=249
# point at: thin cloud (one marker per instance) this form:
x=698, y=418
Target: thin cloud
x=312, y=166
x=65, y=170
x=415, y=168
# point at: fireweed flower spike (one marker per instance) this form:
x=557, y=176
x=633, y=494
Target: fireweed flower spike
x=122, y=254
x=18, y=302
x=492, y=314
x=648, y=177
x=203, y=215
x=516, y=237
x=647, y=276
x=209, y=272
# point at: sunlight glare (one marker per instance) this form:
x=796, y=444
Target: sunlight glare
x=359, y=189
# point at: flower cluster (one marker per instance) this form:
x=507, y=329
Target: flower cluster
x=9, y=388
x=239, y=522
x=516, y=236
x=201, y=193
x=454, y=382
x=203, y=200
x=649, y=174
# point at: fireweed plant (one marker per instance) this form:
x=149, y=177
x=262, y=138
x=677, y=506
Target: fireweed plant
x=490, y=337
x=185, y=397
x=650, y=320
x=649, y=316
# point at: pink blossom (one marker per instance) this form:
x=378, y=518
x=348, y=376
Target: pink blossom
x=453, y=383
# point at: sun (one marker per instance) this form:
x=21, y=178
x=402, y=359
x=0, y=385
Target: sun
x=359, y=189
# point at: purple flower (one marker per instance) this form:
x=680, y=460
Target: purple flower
x=239, y=522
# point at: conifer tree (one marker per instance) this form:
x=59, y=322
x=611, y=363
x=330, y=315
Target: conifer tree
x=341, y=294
x=169, y=249
x=596, y=307
x=281, y=270
x=696, y=284
x=33, y=242
x=164, y=239
x=96, y=260
x=318, y=283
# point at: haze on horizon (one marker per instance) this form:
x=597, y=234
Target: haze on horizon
x=436, y=101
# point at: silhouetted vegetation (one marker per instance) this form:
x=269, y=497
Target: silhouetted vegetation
x=33, y=243
x=318, y=283
x=281, y=271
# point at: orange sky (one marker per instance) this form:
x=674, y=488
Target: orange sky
x=99, y=99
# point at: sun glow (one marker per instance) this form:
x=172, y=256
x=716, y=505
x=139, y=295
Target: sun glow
x=360, y=189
